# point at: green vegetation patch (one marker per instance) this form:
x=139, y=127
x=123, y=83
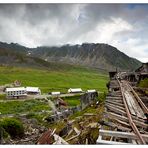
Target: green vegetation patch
x=12, y=126
x=90, y=109
x=72, y=100
x=2, y=96
x=102, y=97
x=13, y=107
x=144, y=83
x=55, y=80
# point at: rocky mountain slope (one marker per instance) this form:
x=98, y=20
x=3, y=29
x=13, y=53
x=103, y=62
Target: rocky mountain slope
x=100, y=56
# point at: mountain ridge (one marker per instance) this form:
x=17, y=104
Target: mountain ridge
x=95, y=55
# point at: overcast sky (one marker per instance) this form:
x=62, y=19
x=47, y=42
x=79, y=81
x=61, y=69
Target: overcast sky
x=124, y=26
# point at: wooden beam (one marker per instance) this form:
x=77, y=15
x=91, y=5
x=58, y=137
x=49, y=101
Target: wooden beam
x=113, y=125
x=122, y=118
x=76, y=130
x=123, y=128
x=115, y=103
x=115, y=106
x=118, y=101
x=116, y=110
x=116, y=95
x=133, y=106
x=110, y=142
x=133, y=141
x=120, y=134
x=113, y=97
x=129, y=103
x=59, y=140
x=139, y=100
x=123, y=123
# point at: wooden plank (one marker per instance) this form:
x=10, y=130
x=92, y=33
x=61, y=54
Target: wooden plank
x=116, y=95
x=133, y=141
x=100, y=137
x=123, y=128
x=59, y=140
x=113, y=97
x=130, y=106
x=112, y=137
x=121, y=134
x=113, y=125
x=119, y=107
x=110, y=142
x=133, y=101
x=122, y=118
x=136, y=106
x=70, y=132
x=76, y=130
x=139, y=100
x=116, y=110
x=112, y=102
x=118, y=101
x=123, y=123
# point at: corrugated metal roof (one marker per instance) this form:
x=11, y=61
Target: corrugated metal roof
x=32, y=89
x=15, y=89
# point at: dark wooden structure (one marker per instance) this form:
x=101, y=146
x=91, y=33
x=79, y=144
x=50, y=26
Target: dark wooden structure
x=112, y=74
x=142, y=72
x=131, y=77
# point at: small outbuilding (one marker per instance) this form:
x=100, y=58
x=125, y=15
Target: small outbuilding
x=91, y=91
x=75, y=90
x=55, y=93
x=18, y=92
x=33, y=90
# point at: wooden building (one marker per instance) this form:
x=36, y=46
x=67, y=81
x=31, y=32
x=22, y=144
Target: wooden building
x=33, y=91
x=142, y=72
x=112, y=74
x=75, y=90
x=18, y=92
x=91, y=91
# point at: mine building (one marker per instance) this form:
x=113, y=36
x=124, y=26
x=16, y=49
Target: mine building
x=55, y=93
x=75, y=90
x=18, y=92
x=142, y=72
x=33, y=91
x=91, y=91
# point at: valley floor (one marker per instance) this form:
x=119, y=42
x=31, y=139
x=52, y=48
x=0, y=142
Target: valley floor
x=55, y=80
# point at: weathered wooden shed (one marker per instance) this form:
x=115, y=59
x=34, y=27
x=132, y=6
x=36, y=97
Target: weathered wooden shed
x=142, y=72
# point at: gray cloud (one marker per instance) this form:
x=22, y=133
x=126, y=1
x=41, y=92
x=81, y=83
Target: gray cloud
x=121, y=25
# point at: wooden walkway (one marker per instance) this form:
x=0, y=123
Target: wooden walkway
x=124, y=116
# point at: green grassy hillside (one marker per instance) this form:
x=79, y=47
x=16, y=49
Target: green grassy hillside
x=55, y=80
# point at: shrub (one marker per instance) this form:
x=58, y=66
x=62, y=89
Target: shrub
x=13, y=127
x=144, y=83
x=102, y=97
x=3, y=133
x=30, y=115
